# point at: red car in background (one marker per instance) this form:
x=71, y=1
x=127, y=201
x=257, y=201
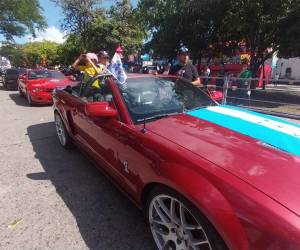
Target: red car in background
x=166, y=145
x=37, y=85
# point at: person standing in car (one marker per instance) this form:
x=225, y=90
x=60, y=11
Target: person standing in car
x=185, y=69
x=103, y=61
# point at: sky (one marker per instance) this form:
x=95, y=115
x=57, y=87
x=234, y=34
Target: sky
x=53, y=15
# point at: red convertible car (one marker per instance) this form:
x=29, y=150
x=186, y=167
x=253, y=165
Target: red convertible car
x=208, y=176
x=37, y=85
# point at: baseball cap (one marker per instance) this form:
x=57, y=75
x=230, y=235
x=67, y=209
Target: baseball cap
x=103, y=53
x=183, y=50
x=92, y=56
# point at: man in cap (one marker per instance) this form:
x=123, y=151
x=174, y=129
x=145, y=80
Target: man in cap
x=185, y=69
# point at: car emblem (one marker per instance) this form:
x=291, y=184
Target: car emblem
x=125, y=165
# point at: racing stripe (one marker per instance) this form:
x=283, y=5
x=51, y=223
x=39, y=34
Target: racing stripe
x=276, y=132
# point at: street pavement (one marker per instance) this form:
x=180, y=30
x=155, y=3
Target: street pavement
x=52, y=198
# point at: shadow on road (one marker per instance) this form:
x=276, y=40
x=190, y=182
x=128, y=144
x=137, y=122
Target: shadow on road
x=105, y=218
x=21, y=101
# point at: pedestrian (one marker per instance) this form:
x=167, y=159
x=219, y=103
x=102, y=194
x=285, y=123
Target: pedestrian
x=206, y=76
x=184, y=68
x=243, y=82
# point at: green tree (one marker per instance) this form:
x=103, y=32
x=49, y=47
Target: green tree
x=70, y=49
x=171, y=22
x=289, y=34
x=78, y=16
x=256, y=22
x=96, y=28
x=17, y=17
x=32, y=54
x=14, y=53
x=118, y=25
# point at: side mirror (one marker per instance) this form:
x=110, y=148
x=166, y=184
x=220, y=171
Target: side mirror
x=100, y=109
x=71, y=77
x=68, y=89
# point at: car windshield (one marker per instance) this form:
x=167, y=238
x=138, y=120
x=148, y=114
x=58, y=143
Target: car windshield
x=151, y=97
x=37, y=74
x=15, y=72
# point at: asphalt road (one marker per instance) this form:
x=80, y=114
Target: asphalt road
x=51, y=198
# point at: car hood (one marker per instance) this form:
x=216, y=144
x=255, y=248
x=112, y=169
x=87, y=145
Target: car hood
x=272, y=171
x=51, y=83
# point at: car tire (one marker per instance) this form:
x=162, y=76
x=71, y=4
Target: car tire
x=182, y=228
x=62, y=133
x=20, y=91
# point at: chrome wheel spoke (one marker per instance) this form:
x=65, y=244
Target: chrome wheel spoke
x=199, y=243
x=173, y=215
x=167, y=245
x=60, y=130
x=160, y=231
x=160, y=213
x=184, y=223
x=154, y=221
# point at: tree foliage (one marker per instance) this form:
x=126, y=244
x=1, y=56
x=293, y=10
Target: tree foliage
x=171, y=22
x=289, y=33
x=32, y=54
x=118, y=26
x=78, y=16
x=200, y=24
x=257, y=22
x=17, y=17
x=101, y=29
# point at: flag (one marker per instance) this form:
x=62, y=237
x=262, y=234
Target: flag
x=116, y=68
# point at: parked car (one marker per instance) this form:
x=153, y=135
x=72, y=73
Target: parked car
x=11, y=76
x=151, y=70
x=37, y=85
x=208, y=176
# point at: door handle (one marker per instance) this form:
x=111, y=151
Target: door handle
x=74, y=111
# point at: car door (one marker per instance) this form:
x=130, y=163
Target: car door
x=110, y=140
x=90, y=131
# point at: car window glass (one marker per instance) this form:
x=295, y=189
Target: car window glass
x=12, y=72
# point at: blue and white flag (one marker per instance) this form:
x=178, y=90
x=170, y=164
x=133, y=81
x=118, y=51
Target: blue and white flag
x=274, y=131
x=116, y=68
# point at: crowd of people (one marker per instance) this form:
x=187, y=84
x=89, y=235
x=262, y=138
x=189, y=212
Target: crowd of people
x=90, y=64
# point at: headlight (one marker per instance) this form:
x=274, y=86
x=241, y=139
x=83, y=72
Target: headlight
x=37, y=90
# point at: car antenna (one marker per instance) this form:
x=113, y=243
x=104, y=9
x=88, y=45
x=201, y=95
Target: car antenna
x=144, y=126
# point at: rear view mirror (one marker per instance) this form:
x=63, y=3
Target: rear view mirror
x=100, y=109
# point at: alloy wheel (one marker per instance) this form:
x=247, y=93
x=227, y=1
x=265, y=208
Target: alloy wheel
x=60, y=130
x=173, y=226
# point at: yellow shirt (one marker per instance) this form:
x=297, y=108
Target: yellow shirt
x=88, y=72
